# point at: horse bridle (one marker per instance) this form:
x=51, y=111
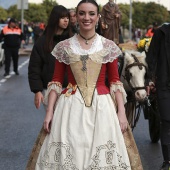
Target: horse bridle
x=127, y=74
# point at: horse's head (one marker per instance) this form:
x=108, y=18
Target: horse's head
x=134, y=73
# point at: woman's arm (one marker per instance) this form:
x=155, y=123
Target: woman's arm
x=53, y=91
x=50, y=110
x=121, y=111
x=118, y=93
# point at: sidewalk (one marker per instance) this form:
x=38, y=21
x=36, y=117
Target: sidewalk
x=26, y=51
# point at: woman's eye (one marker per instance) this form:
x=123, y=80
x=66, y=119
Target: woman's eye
x=92, y=13
x=81, y=13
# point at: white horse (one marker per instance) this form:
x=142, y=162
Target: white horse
x=133, y=77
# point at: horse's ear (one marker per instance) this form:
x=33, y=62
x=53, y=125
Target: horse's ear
x=126, y=54
x=143, y=54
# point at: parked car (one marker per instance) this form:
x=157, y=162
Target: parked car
x=2, y=26
x=2, y=56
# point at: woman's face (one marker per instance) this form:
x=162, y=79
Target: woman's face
x=63, y=22
x=87, y=16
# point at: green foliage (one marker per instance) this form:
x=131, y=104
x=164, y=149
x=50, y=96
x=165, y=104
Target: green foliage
x=35, y=13
x=138, y=15
x=144, y=14
x=3, y=13
x=13, y=12
x=155, y=12
x=125, y=15
x=48, y=5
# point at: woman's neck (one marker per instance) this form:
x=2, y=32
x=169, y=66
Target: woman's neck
x=86, y=39
x=59, y=31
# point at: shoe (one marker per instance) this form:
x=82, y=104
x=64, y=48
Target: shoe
x=165, y=166
x=17, y=73
x=6, y=74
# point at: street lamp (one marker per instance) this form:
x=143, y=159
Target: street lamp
x=130, y=21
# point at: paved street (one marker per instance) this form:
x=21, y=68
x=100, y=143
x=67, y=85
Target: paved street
x=20, y=123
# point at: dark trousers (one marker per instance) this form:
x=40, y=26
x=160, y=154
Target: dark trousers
x=164, y=109
x=11, y=53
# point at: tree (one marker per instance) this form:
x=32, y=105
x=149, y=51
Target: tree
x=3, y=14
x=155, y=13
x=144, y=14
x=35, y=13
x=124, y=8
x=13, y=12
x=48, y=5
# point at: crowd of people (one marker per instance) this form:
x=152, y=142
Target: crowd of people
x=85, y=123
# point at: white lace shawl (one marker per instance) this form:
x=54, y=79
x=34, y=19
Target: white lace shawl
x=102, y=50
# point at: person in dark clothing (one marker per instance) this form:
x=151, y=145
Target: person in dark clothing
x=158, y=59
x=150, y=31
x=12, y=36
x=37, y=32
x=42, y=62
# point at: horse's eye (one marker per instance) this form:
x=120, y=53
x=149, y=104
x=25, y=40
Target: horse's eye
x=130, y=74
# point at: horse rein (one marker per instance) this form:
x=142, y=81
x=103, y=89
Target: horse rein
x=127, y=76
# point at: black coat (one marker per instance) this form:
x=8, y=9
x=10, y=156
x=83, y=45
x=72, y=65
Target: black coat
x=158, y=57
x=41, y=64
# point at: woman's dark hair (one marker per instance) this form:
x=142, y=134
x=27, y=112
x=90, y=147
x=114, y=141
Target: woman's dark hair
x=88, y=1
x=57, y=13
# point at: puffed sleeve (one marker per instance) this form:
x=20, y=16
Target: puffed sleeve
x=57, y=80
x=114, y=80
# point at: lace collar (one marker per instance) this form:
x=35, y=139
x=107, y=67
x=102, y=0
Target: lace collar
x=101, y=51
x=77, y=49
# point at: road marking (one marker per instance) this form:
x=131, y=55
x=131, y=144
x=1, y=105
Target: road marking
x=13, y=73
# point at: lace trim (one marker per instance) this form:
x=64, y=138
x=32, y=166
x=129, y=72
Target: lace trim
x=96, y=46
x=64, y=53
x=118, y=86
x=56, y=86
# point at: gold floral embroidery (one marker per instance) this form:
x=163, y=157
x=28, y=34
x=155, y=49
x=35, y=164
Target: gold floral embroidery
x=54, y=82
x=70, y=88
x=116, y=83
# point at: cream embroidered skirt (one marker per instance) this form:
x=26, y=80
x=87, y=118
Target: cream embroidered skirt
x=84, y=138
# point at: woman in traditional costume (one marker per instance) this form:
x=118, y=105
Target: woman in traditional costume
x=85, y=130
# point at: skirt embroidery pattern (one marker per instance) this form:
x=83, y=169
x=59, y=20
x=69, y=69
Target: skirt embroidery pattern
x=56, y=152
x=110, y=153
x=62, y=158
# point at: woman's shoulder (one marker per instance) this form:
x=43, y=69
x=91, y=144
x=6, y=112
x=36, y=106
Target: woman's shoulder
x=107, y=43
x=61, y=49
x=64, y=43
x=40, y=41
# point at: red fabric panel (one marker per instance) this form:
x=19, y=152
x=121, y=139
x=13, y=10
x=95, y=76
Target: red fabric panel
x=59, y=72
x=112, y=69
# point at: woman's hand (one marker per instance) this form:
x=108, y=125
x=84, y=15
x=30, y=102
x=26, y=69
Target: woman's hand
x=47, y=121
x=122, y=121
x=38, y=98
